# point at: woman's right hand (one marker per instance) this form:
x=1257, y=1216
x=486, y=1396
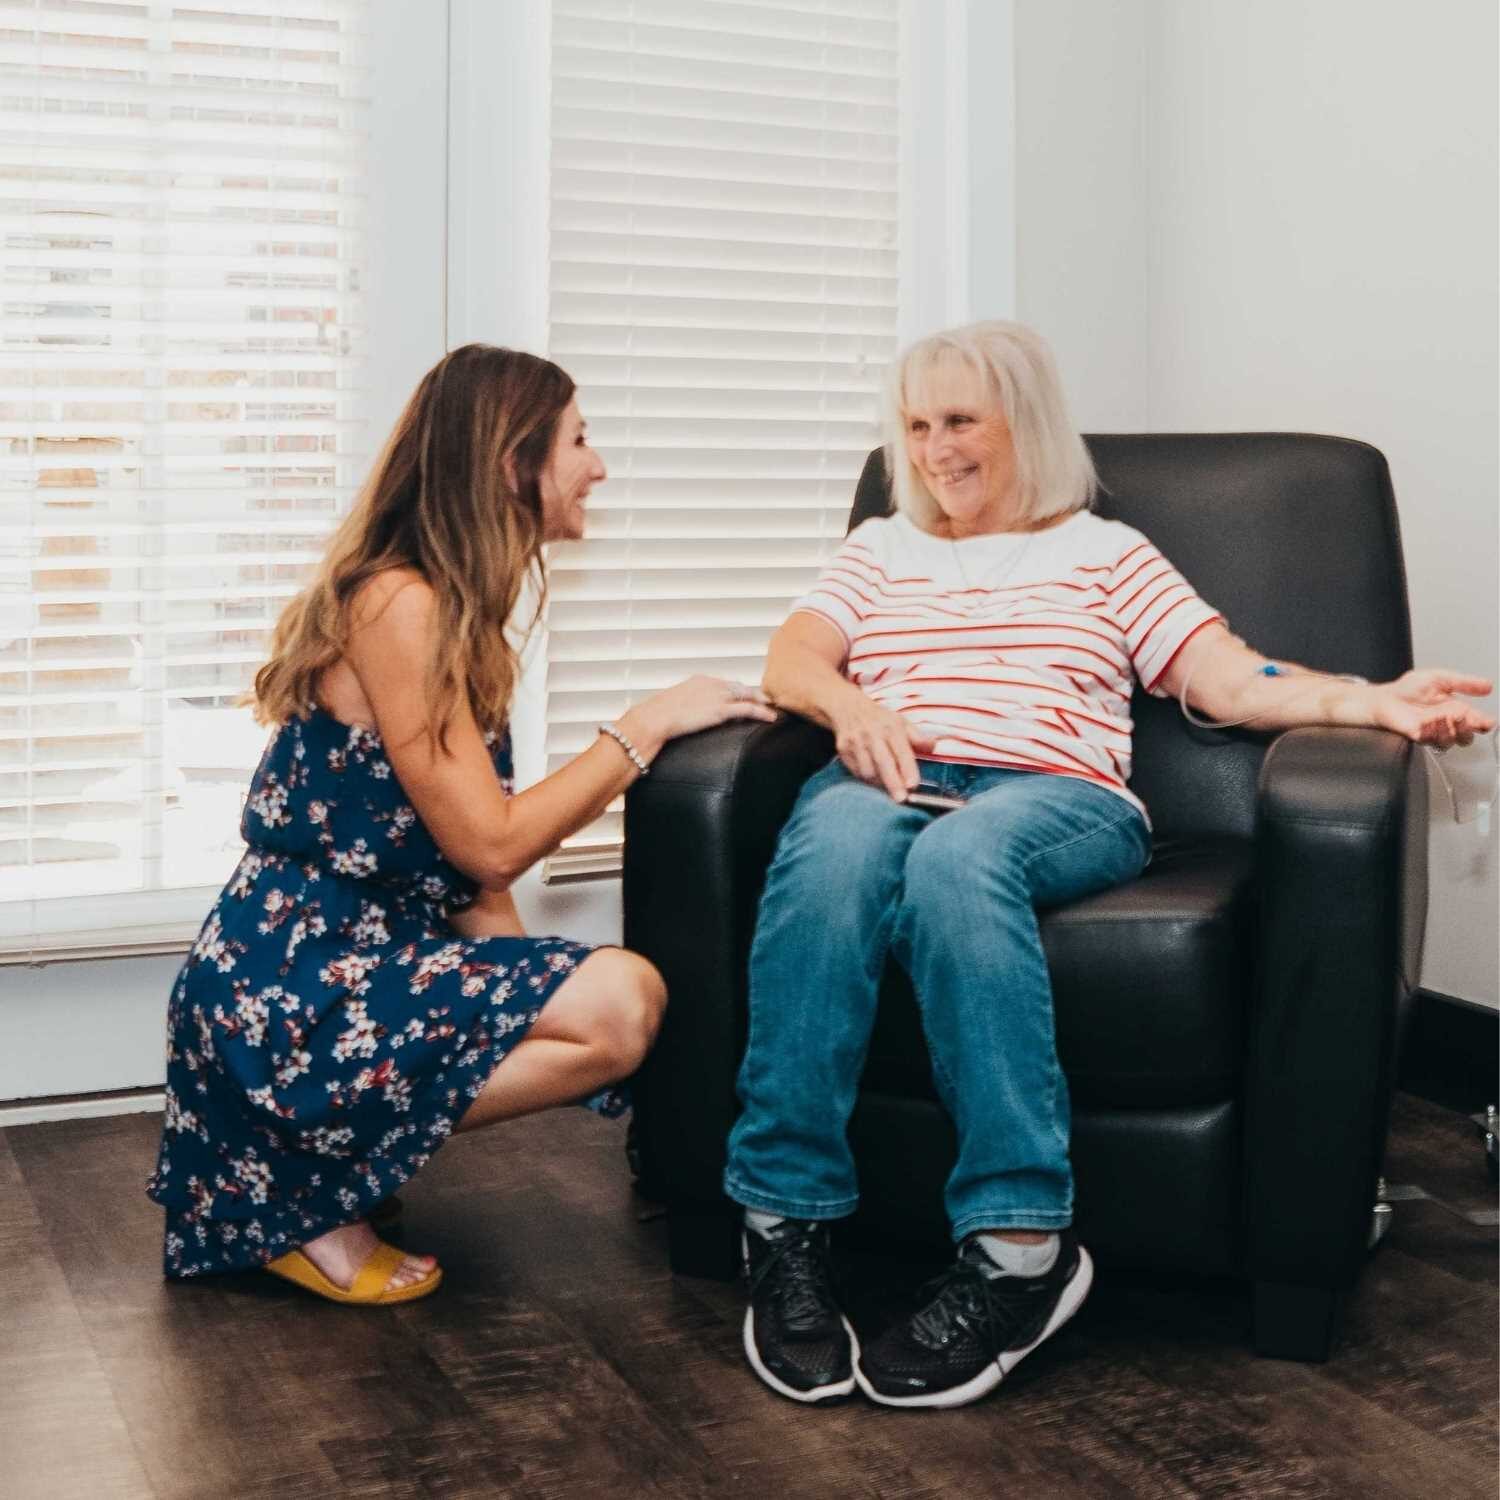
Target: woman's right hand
x=805, y=673
x=694, y=704
x=876, y=744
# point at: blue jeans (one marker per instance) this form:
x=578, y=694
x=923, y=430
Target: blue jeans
x=953, y=899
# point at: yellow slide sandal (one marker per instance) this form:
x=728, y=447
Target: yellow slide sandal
x=369, y=1287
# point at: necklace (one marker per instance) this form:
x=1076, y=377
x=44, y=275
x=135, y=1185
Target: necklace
x=1010, y=567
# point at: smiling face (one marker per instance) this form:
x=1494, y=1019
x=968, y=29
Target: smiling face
x=571, y=471
x=959, y=443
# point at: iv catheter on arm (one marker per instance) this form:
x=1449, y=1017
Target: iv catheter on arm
x=1220, y=683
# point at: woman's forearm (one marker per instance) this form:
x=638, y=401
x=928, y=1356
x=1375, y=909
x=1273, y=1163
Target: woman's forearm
x=514, y=832
x=1293, y=697
x=1224, y=680
x=541, y=817
x=801, y=679
x=804, y=673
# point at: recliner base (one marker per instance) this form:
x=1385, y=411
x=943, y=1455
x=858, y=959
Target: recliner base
x=1296, y=1322
x=704, y=1242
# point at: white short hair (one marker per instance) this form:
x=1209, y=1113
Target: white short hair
x=1011, y=367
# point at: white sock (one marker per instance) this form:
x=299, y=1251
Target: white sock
x=761, y=1223
x=1020, y=1260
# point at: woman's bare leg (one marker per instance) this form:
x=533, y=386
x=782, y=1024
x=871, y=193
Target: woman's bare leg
x=594, y=1031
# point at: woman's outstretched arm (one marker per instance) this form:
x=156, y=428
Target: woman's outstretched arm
x=455, y=791
x=1228, y=682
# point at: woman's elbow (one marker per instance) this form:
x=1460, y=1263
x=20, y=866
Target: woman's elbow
x=487, y=849
x=492, y=864
x=779, y=679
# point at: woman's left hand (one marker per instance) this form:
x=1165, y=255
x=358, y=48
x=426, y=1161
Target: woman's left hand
x=1423, y=706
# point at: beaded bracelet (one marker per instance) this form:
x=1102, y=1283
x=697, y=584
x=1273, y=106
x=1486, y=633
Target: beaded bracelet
x=619, y=738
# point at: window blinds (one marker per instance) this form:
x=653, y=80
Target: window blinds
x=723, y=287
x=180, y=204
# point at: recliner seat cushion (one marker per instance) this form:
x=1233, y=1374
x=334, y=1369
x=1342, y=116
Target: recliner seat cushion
x=1149, y=983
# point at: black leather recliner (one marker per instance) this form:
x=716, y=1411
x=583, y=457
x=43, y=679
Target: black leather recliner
x=1229, y=1022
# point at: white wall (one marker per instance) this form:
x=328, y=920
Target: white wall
x=1284, y=216
x=1080, y=221
x=1323, y=255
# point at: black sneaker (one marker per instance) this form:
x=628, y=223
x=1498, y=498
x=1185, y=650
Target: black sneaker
x=975, y=1327
x=796, y=1339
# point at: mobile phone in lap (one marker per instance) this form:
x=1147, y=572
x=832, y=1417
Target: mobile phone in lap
x=933, y=799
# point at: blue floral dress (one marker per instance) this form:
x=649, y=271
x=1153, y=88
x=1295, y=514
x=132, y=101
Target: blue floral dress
x=329, y=1027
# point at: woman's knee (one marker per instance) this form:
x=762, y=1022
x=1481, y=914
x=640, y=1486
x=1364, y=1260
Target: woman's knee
x=646, y=997
x=621, y=1011
x=959, y=848
x=842, y=842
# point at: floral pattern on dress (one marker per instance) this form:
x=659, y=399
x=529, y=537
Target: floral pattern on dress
x=329, y=1028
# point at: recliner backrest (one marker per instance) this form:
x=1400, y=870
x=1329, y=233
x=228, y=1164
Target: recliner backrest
x=1292, y=536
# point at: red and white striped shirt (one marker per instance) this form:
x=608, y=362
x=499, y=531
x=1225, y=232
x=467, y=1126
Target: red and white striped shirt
x=1013, y=649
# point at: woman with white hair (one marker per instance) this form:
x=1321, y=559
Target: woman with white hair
x=977, y=650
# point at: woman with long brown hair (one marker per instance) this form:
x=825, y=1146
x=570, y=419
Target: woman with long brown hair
x=363, y=987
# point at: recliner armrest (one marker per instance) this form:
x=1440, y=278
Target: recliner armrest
x=699, y=834
x=1341, y=881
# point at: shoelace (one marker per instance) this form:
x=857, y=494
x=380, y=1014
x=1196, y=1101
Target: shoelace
x=964, y=1297
x=805, y=1288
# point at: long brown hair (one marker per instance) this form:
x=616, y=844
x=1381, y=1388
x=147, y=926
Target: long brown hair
x=456, y=496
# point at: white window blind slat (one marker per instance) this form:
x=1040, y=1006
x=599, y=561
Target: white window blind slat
x=726, y=283
x=572, y=250
x=688, y=105
x=662, y=190
x=797, y=23
x=735, y=161
x=604, y=131
x=645, y=341
x=182, y=206
x=621, y=55
x=724, y=270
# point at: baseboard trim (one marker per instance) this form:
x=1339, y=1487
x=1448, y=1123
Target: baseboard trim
x=1452, y=1057
x=1452, y=1052
x=81, y=1107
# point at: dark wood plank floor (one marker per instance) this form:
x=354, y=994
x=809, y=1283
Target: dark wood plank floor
x=561, y=1359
